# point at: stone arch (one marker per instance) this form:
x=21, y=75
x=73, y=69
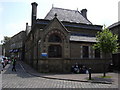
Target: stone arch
x=55, y=32
x=54, y=38
x=54, y=42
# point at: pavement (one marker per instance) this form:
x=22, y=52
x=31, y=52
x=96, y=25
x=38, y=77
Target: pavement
x=96, y=77
x=26, y=77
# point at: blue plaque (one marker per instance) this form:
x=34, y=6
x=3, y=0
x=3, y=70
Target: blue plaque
x=44, y=54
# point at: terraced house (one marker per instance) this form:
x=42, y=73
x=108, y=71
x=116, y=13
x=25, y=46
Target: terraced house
x=64, y=37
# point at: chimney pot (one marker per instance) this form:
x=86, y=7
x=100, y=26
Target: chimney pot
x=26, y=23
x=34, y=3
x=34, y=12
x=84, y=13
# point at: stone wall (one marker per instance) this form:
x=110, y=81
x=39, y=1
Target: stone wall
x=64, y=65
x=116, y=61
x=76, y=50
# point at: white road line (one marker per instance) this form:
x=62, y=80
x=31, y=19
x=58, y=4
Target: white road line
x=24, y=69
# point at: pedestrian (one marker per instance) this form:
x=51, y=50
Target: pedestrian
x=76, y=68
x=14, y=64
x=3, y=64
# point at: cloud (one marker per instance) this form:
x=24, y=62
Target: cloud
x=12, y=0
x=1, y=38
x=1, y=10
x=1, y=35
x=15, y=27
x=99, y=12
x=19, y=1
x=12, y=28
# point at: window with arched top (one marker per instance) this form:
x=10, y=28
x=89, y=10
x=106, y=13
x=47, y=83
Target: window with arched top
x=54, y=38
x=54, y=51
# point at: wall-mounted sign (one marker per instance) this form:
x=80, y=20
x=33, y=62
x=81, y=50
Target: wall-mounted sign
x=44, y=55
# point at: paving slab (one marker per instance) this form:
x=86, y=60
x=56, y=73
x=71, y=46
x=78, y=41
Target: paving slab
x=96, y=77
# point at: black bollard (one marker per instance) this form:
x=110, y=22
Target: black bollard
x=89, y=73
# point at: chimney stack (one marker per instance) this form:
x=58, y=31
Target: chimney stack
x=34, y=13
x=84, y=13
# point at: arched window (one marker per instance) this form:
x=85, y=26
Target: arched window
x=55, y=51
x=54, y=38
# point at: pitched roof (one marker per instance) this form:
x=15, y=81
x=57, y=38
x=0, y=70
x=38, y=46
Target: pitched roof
x=82, y=38
x=114, y=25
x=67, y=15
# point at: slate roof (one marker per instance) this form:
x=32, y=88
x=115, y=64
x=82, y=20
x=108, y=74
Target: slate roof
x=67, y=15
x=82, y=38
x=114, y=25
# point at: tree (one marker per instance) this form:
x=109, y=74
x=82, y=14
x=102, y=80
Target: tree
x=107, y=43
x=6, y=39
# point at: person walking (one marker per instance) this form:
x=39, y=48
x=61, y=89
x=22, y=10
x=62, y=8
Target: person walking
x=3, y=64
x=14, y=64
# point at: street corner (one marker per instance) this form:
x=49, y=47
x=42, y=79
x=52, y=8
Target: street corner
x=100, y=79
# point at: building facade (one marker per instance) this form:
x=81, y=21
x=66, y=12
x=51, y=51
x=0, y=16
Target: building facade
x=0, y=50
x=115, y=28
x=64, y=37
x=17, y=45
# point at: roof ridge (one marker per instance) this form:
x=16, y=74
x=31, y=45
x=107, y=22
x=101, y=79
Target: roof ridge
x=67, y=15
x=64, y=9
x=114, y=24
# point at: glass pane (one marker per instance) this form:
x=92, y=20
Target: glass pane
x=85, y=52
x=97, y=53
x=55, y=51
x=54, y=38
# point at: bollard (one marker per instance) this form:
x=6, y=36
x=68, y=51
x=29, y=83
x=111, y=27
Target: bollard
x=89, y=73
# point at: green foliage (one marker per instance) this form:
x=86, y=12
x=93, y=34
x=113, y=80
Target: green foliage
x=105, y=77
x=106, y=41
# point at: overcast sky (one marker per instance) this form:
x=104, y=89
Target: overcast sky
x=15, y=13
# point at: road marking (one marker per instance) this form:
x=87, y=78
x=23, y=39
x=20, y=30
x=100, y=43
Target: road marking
x=24, y=69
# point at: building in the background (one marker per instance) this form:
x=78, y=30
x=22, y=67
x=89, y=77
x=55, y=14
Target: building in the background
x=115, y=28
x=0, y=49
x=17, y=45
x=64, y=37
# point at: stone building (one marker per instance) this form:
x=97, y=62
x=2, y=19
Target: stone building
x=64, y=37
x=17, y=45
x=115, y=28
x=0, y=50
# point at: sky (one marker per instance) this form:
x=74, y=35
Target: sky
x=15, y=13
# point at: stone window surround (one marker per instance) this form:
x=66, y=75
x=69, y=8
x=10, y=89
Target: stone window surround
x=89, y=51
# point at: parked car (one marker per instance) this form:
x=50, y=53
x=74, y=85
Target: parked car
x=5, y=60
x=1, y=58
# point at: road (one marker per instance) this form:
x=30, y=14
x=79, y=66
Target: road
x=22, y=79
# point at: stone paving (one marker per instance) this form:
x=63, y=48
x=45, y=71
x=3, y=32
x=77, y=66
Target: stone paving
x=96, y=77
x=23, y=79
